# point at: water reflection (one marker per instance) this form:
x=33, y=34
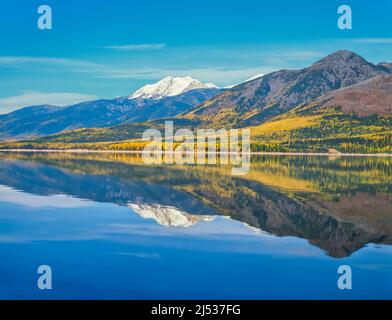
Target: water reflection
x=338, y=204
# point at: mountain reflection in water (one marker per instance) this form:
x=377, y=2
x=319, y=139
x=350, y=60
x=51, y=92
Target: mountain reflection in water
x=338, y=204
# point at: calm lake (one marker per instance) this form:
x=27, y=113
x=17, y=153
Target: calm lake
x=111, y=227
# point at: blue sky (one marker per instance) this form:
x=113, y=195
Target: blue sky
x=103, y=49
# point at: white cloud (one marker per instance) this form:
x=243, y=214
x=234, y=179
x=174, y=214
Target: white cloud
x=153, y=255
x=72, y=65
x=234, y=69
x=221, y=76
x=137, y=47
x=303, y=55
x=12, y=61
x=10, y=195
x=372, y=40
x=9, y=104
x=223, y=73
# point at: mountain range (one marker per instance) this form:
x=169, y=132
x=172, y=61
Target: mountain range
x=341, y=103
x=259, y=100
x=166, y=98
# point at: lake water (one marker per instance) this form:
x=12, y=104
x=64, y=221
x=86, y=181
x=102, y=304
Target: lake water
x=111, y=227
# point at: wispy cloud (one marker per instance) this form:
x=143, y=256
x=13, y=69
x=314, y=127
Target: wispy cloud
x=52, y=64
x=225, y=75
x=44, y=64
x=238, y=65
x=303, y=55
x=205, y=74
x=10, y=195
x=137, y=47
x=372, y=40
x=153, y=255
x=32, y=98
x=23, y=60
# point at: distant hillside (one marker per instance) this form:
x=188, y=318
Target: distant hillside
x=385, y=66
x=356, y=118
x=39, y=121
x=370, y=97
x=276, y=93
x=354, y=113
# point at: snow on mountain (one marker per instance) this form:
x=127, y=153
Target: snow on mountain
x=168, y=216
x=256, y=76
x=170, y=86
x=259, y=75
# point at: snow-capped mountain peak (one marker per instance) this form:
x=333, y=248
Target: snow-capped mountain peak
x=168, y=216
x=170, y=86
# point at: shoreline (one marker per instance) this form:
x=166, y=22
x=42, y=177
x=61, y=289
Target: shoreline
x=85, y=151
